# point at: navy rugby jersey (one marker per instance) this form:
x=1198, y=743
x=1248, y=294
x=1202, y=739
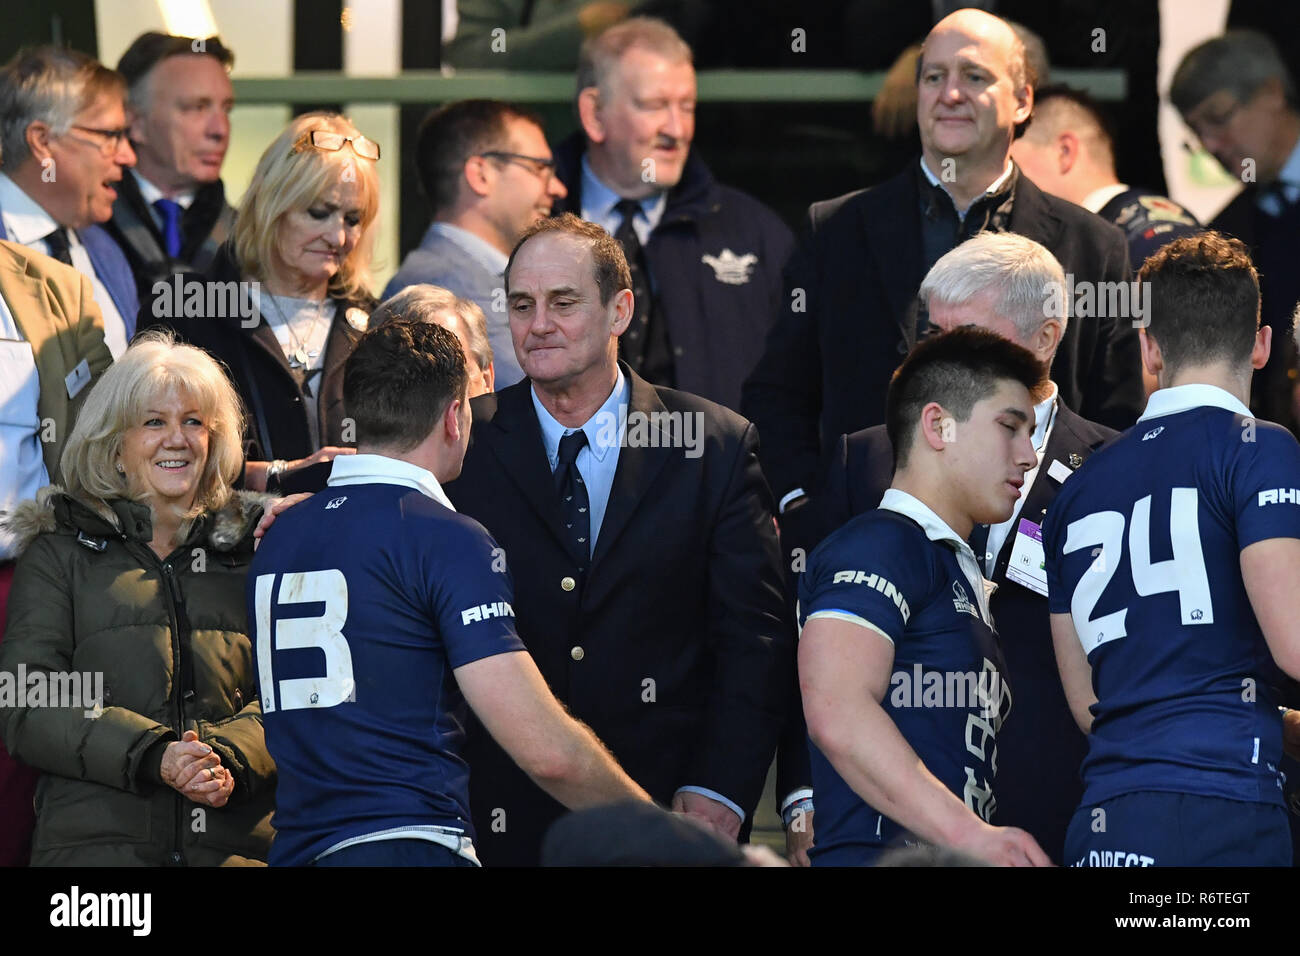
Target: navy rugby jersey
x=1143, y=549
x=897, y=571
x=364, y=598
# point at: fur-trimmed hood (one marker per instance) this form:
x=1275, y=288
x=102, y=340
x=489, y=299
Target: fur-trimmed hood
x=53, y=510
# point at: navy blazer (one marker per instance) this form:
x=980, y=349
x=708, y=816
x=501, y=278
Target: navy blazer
x=1040, y=746
x=847, y=318
x=675, y=648
x=111, y=268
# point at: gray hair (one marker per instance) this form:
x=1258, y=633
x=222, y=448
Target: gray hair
x=1023, y=272
x=600, y=54
x=424, y=303
x=1239, y=61
x=51, y=85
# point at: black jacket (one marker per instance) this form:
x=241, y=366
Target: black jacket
x=275, y=423
x=717, y=315
x=845, y=323
x=675, y=647
x=205, y=226
x=1040, y=747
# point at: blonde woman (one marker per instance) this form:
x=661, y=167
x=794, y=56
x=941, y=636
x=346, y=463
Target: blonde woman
x=128, y=609
x=304, y=234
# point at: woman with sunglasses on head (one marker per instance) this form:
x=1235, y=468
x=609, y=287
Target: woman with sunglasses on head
x=301, y=252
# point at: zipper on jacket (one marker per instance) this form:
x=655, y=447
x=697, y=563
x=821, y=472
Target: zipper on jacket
x=173, y=597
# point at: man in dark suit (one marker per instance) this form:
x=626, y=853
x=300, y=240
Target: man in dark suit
x=1239, y=98
x=995, y=282
x=171, y=213
x=637, y=527
x=851, y=312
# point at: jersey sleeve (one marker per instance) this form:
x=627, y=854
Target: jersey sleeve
x=1266, y=487
x=1059, y=590
x=473, y=598
x=872, y=573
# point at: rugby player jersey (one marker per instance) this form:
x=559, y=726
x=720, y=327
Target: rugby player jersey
x=901, y=572
x=364, y=599
x=1143, y=549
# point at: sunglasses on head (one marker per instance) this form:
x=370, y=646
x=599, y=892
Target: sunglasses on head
x=332, y=142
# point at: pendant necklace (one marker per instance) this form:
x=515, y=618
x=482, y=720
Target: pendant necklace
x=299, y=356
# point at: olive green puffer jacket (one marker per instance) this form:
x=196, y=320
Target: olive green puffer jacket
x=170, y=639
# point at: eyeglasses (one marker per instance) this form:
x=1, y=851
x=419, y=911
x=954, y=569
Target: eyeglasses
x=1213, y=124
x=330, y=142
x=545, y=168
x=112, y=138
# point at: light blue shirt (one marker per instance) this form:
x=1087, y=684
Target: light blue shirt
x=1289, y=179
x=597, y=463
x=598, y=202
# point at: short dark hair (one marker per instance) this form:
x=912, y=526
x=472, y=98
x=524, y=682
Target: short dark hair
x=607, y=258
x=452, y=134
x=1204, y=300
x=1239, y=61
x=957, y=369
x=149, y=49
x=1061, y=93
x=400, y=379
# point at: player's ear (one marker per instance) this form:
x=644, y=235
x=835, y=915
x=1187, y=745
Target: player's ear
x=1263, y=347
x=451, y=422
x=937, y=426
x=1152, y=360
x=1067, y=152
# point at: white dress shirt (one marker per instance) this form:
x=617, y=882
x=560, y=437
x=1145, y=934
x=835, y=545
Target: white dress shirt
x=22, y=463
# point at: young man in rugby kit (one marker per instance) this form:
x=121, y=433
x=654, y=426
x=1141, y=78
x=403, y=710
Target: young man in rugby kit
x=898, y=660
x=1171, y=561
x=379, y=613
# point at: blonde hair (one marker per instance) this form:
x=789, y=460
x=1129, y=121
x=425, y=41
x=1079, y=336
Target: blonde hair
x=291, y=176
x=154, y=365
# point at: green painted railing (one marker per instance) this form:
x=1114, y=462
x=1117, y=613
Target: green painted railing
x=734, y=86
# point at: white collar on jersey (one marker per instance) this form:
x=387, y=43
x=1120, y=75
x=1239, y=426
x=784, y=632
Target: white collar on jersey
x=1182, y=398
x=380, y=469
x=935, y=528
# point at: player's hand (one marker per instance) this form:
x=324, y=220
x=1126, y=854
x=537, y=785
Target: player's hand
x=1003, y=846
x=1291, y=732
x=716, y=816
x=799, y=839
x=274, y=507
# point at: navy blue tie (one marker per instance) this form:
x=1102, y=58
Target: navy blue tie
x=59, y=246
x=979, y=542
x=575, y=506
x=170, y=210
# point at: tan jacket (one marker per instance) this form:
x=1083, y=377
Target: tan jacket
x=54, y=307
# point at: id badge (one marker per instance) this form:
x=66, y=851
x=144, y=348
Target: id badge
x=1028, y=563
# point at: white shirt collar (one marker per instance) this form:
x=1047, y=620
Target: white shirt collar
x=935, y=528
x=25, y=219
x=151, y=193
x=382, y=470
x=992, y=187
x=1044, y=412
x=1096, y=200
x=1182, y=398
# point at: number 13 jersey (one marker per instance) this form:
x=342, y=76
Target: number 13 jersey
x=1143, y=548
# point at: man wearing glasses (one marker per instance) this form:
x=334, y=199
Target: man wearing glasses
x=487, y=172
x=1238, y=97
x=63, y=149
